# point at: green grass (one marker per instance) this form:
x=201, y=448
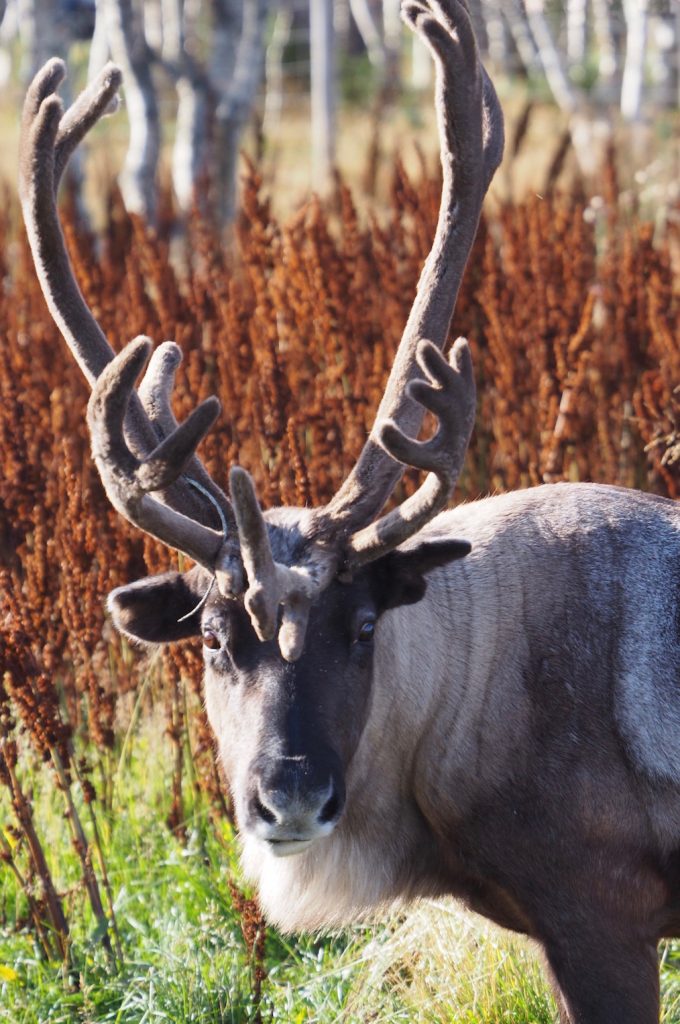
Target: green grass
x=185, y=957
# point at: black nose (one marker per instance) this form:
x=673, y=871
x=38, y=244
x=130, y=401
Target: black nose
x=331, y=809
x=290, y=794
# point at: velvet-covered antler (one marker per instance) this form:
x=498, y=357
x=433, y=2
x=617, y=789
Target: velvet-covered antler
x=147, y=460
x=270, y=584
x=449, y=393
x=470, y=124
x=136, y=453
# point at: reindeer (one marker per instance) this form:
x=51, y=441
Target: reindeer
x=483, y=702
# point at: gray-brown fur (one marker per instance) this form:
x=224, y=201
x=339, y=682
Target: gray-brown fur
x=509, y=736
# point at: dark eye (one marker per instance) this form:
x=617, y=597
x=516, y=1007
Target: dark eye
x=211, y=640
x=366, y=631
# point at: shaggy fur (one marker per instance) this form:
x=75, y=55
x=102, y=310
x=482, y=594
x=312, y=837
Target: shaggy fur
x=508, y=738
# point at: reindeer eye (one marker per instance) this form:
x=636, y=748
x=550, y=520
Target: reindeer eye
x=366, y=631
x=211, y=640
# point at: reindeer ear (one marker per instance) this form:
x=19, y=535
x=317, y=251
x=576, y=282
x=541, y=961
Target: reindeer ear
x=159, y=609
x=399, y=577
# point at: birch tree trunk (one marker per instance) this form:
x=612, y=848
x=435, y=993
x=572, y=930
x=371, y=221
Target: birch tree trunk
x=608, y=57
x=153, y=16
x=43, y=33
x=589, y=135
x=677, y=47
x=392, y=36
x=5, y=54
x=280, y=37
x=369, y=32
x=237, y=95
x=550, y=58
x=322, y=53
x=99, y=48
x=509, y=42
x=129, y=50
x=421, y=64
x=189, y=150
x=496, y=32
x=664, y=57
x=576, y=31
x=633, y=71
x=191, y=84
x=479, y=25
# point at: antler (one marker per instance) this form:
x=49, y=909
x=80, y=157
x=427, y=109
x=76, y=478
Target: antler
x=470, y=126
x=471, y=135
x=138, y=451
x=272, y=584
x=450, y=395
x=147, y=461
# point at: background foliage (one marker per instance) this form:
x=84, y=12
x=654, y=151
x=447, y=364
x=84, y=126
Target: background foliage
x=119, y=896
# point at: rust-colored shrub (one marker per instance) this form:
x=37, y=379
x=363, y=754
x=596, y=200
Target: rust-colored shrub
x=572, y=311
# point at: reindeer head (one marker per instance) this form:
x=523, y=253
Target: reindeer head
x=289, y=601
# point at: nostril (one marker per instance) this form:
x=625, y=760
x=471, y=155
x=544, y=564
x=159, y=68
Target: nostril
x=263, y=812
x=330, y=809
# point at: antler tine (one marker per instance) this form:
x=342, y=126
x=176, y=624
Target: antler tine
x=99, y=98
x=471, y=139
x=272, y=585
x=154, y=393
x=156, y=445
x=38, y=179
x=48, y=138
x=450, y=395
x=129, y=480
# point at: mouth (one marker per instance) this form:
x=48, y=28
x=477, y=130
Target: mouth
x=287, y=847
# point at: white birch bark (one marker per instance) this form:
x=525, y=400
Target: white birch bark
x=171, y=40
x=519, y=29
x=421, y=65
x=236, y=100
x=576, y=31
x=664, y=56
x=392, y=36
x=227, y=27
x=496, y=33
x=369, y=32
x=392, y=25
x=479, y=25
x=43, y=34
x=551, y=61
x=273, y=104
x=633, y=70
x=154, y=24
x=189, y=150
x=9, y=26
x=191, y=85
x=589, y=134
x=607, y=50
x=322, y=54
x=129, y=50
x=99, y=48
x=677, y=54
x=8, y=30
